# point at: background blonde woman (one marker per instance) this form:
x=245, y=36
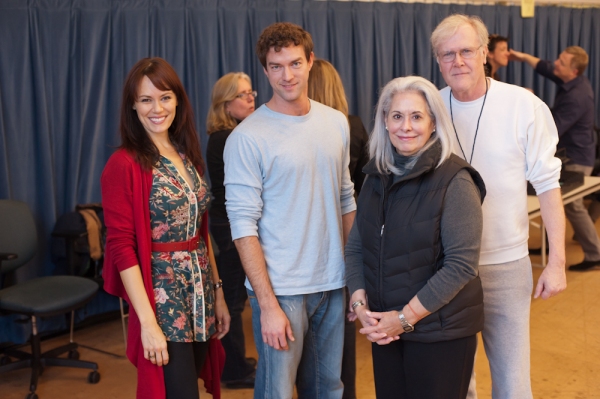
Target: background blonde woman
x=231, y=102
x=325, y=86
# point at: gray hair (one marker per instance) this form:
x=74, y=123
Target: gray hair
x=449, y=25
x=380, y=146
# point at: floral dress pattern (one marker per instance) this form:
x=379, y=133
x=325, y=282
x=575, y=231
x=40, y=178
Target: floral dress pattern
x=182, y=280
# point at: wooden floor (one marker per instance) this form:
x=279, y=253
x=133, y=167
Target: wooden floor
x=565, y=352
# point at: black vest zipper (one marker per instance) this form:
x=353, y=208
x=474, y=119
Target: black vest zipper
x=382, y=215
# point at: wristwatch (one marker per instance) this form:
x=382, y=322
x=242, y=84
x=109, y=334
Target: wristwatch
x=406, y=326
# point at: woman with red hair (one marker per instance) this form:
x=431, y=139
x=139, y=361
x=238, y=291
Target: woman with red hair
x=158, y=255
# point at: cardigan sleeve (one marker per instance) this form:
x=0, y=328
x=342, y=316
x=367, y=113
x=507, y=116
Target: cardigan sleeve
x=117, y=182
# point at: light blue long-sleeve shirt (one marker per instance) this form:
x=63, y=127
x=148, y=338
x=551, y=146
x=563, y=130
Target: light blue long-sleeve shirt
x=287, y=182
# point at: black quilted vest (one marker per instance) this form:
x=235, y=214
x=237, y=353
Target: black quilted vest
x=401, y=239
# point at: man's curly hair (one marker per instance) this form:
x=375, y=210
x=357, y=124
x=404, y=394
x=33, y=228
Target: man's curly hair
x=282, y=34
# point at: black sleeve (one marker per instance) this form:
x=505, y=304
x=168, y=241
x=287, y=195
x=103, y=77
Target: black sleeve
x=216, y=170
x=359, y=154
x=546, y=69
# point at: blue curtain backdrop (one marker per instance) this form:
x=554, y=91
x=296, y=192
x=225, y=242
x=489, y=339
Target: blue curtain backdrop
x=63, y=62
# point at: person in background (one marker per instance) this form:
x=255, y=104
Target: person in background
x=232, y=101
x=412, y=254
x=325, y=86
x=158, y=255
x=495, y=124
x=497, y=56
x=573, y=113
x=290, y=203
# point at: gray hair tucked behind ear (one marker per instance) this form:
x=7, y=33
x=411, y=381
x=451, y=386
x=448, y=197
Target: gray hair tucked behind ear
x=380, y=146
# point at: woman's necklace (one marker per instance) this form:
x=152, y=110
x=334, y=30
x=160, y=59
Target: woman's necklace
x=476, y=129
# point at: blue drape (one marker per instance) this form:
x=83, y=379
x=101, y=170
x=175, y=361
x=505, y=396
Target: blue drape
x=63, y=62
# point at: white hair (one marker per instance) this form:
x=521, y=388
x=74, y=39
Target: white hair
x=380, y=146
x=449, y=25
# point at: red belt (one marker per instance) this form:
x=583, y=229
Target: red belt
x=189, y=245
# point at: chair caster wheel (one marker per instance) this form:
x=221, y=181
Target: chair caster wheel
x=31, y=395
x=94, y=377
x=74, y=354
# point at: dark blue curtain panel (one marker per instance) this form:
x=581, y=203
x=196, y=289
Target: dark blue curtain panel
x=63, y=63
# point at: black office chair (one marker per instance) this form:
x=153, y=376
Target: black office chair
x=40, y=297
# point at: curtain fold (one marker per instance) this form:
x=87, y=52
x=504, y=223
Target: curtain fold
x=63, y=63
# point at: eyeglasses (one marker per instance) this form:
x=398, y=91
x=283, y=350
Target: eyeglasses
x=244, y=96
x=466, y=53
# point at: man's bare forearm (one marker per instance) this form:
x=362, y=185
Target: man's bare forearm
x=253, y=261
x=529, y=59
x=553, y=215
x=553, y=279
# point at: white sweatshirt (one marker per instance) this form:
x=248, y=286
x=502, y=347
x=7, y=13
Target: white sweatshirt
x=516, y=143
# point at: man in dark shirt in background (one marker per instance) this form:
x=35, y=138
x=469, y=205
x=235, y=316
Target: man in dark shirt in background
x=573, y=113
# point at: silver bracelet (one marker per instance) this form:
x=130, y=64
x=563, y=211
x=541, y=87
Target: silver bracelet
x=357, y=304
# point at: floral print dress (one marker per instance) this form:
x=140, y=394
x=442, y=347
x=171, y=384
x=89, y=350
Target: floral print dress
x=182, y=280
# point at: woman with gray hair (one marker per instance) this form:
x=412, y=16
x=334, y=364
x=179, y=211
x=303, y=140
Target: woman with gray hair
x=412, y=254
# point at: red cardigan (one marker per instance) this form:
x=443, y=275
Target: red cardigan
x=125, y=195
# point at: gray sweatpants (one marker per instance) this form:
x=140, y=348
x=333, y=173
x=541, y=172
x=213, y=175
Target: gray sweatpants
x=507, y=289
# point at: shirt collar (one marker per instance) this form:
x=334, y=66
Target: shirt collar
x=572, y=83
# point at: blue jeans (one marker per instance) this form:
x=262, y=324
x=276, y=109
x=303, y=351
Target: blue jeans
x=314, y=360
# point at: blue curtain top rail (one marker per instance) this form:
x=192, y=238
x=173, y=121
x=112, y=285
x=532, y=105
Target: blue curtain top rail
x=550, y=3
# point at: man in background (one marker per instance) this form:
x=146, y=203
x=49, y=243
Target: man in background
x=573, y=113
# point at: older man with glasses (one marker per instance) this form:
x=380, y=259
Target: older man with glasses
x=509, y=136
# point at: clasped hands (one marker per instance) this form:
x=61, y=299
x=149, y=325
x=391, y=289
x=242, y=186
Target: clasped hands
x=379, y=327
